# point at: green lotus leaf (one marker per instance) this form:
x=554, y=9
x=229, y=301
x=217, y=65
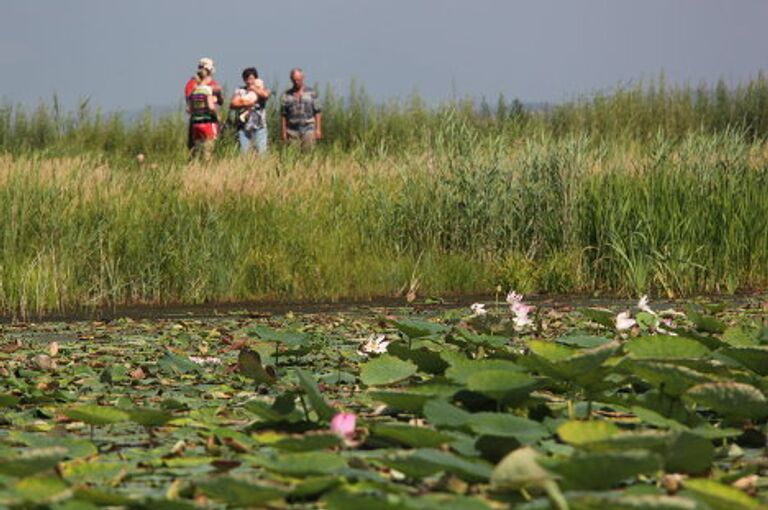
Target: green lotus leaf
x=733, y=400
x=386, y=370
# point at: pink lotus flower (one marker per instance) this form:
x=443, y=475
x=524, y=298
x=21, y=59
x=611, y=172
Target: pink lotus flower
x=520, y=309
x=343, y=425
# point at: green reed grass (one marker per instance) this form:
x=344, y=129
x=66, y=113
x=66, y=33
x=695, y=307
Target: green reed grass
x=355, y=121
x=547, y=215
x=652, y=189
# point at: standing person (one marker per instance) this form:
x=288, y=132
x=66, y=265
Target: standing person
x=203, y=106
x=207, y=64
x=250, y=102
x=301, y=113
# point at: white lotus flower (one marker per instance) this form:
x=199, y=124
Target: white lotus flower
x=374, y=344
x=210, y=360
x=643, y=305
x=522, y=321
x=624, y=321
x=478, y=309
x=513, y=297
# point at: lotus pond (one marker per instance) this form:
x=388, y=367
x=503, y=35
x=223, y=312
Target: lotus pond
x=498, y=406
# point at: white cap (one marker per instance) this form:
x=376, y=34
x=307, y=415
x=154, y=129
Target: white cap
x=206, y=63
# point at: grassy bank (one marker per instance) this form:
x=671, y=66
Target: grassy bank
x=547, y=214
x=355, y=122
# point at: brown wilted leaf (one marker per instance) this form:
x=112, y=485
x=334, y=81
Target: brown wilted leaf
x=44, y=362
x=12, y=346
x=747, y=484
x=672, y=482
x=235, y=445
x=137, y=373
x=53, y=349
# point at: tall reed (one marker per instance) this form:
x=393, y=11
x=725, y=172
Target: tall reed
x=569, y=213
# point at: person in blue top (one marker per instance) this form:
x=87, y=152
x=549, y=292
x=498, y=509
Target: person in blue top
x=301, y=113
x=249, y=103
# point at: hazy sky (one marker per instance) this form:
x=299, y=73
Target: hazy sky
x=125, y=55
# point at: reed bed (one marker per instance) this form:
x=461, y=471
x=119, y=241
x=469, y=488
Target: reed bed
x=546, y=213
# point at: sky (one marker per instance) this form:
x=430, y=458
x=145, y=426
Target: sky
x=128, y=55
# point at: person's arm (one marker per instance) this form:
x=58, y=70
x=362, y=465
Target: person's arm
x=263, y=93
x=318, y=110
x=318, y=125
x=189, y=87
x=240, y=101
x=283, y=128
x=218, y=92
x=213, y=103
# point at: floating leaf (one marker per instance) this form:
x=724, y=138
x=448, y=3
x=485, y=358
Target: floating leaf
x=32, y=462
x=600, y=316
x=603, y=501
x=101, y=497
x=74, y=447
x=508, y=425
x=313, y=487
x=96, y=415
x=289, y=338
x=733, y=400
x=583, y=341
x=583, y=367
x=273, y=413
x=174, y=364
x=671, y=379
x=410, y=435
x=580, y=433
x=519, y=470
x=754, y=358
x=149, y=417
x=462, y=368
x=502, y=385
x=249, y=364
x=426, y=360
x=491, y=341
x=603, y=470
x=718, y=496
x=307, y=442
x=83, y=471
x=704, y=322
x=687, y=452
x=470, y=469
x=386, y=370
x=7, y=400
x=238, y=492
x=739, y=336
x=41, y=489
x=414, y=328
x=443, y=414
x=410, y=402
x=302, y=464
x=665, y=348
x=324, y=411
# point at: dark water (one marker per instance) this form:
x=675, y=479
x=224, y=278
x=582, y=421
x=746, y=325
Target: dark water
x=377, y=305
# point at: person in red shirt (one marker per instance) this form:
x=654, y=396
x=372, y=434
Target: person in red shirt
x=203, y=112
x=204, y=64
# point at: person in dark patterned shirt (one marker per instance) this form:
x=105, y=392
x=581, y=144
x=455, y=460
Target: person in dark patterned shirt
x=301, y=113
